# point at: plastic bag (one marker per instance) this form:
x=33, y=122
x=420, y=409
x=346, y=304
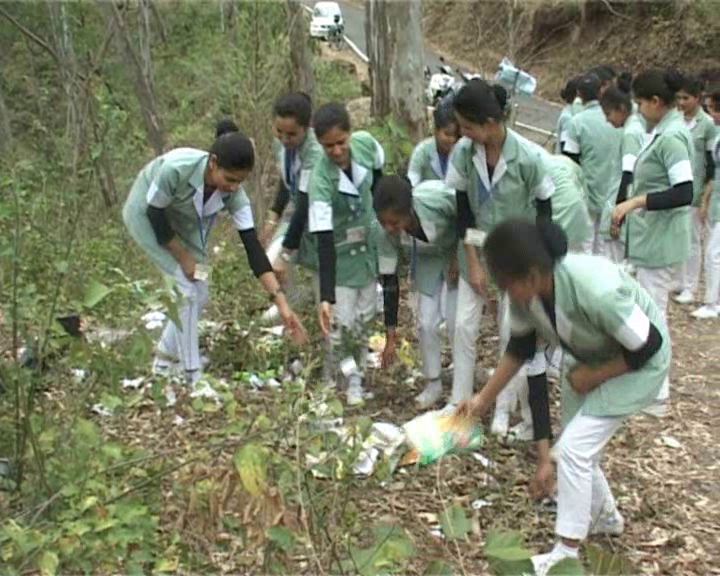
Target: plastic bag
x=513, y=78
x=439, y=432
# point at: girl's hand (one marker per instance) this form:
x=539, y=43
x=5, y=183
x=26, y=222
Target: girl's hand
x=543, y=482
x=389, y=354
x=325, y=316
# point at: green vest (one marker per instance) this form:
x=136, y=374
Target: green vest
x=661, y=238
x=569, y=209
x=306, y=156
x=345, y=206
x=599, y=310
x=175, y=182
x=703, y=132
x=436, y=209
x=598, y=143
x=425, y=163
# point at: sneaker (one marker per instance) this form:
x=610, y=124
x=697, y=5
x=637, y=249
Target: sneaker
x=706, y=312
x=354, y=394
x=522, y=432
x=542, y=563
x=430, y=396
x=500, y=424
x=611, y=524
x=685, y=297
x=166, y=368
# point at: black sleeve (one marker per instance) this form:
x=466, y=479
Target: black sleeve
x=574, y=157
x=326, y=265
x=709, y=166
x=391, y=298
x=256, y=255
x=625, y=181
x=377, y=174
x=466, y=218
x=539, y=406
x=677, y=196
x=282, y=197
x=636, y=359
x=544, y=210
x=522, y=347
x=297, y=223
x=160, y=225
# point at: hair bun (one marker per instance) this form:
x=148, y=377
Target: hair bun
x=554, y=239
x=501, y=95
x=225, y=126
x=674, y=79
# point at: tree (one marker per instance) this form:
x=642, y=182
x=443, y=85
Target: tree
x=300, y=54
x=393, y=30
x=140, y=66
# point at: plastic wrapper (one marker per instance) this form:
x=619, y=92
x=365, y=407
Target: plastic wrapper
x=434, y=434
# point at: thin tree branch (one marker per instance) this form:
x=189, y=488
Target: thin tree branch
x=31, y=35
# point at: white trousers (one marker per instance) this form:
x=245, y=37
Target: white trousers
x=597, y=239
x=712, y=266
x=470, y=306
x=583, y=491
x=613, y=250
x=690, y=270
x=182, y=342
x=353, y=311
x=659, y=282
x=429, y=318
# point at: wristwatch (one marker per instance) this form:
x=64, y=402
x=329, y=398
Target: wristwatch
x=273, y=295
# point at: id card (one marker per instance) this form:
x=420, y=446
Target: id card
x=475, y=237
x=202, y=272
x=356, y=234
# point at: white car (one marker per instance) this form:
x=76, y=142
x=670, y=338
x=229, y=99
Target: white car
x=323, y=19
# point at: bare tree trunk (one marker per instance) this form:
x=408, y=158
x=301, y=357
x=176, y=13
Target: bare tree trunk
x=159, y=20
x=144, y=18
x=5, y=130
x=143, y=88
x=396, y=62
x=300, y=55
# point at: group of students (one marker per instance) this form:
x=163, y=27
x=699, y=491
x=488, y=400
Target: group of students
x=478, y=202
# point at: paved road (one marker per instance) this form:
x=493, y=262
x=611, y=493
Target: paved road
x=531, y=111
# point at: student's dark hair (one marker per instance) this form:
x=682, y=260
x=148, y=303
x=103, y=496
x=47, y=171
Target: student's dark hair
x=393, y=193
x=569, y=91
x=615, y=99
x=604, y=72
x=664, y=84
x=225, y=126
x=443, y=116
x=713, y=92
x=624, y=81
x=329, y=116
x=479, y=102
x=296, y=105
x=692, y=85
x=516, y=246
x=234, y=151
x=588, y=86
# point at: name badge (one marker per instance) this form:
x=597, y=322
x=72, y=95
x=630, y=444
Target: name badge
x=356, y=234
x=475, y=237
x=202, y=272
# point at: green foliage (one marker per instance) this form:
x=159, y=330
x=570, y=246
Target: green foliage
x=397, y=145
x=455, y=523
x=603, y=563
x=507, y=555
x=387, y=555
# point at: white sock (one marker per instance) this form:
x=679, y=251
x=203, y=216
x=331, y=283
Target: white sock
x=566, y=550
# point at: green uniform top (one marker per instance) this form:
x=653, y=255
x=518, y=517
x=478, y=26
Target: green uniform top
x=562, y=127
x=577, y=106
x=344, y=206
x=569, y=207
x=598, y=143
x=175, y=182
x=634, y=136
x=425, y=163
x=661, y=238
x=436, y=209
x=714, y=209
x=703, y=131
x=296, y=178
x=599, y=310
x=518, y=180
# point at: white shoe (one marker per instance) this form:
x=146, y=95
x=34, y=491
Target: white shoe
x=165, y=368
x=706, y=312
x=429, y=397
x=611, y=524
x=522, y=431
x=354, y=394
x=685, y=297
x=500, y=424
x=544, y=562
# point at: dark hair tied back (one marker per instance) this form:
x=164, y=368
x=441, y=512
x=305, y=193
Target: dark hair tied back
x=554, y=239
x=225, y=126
